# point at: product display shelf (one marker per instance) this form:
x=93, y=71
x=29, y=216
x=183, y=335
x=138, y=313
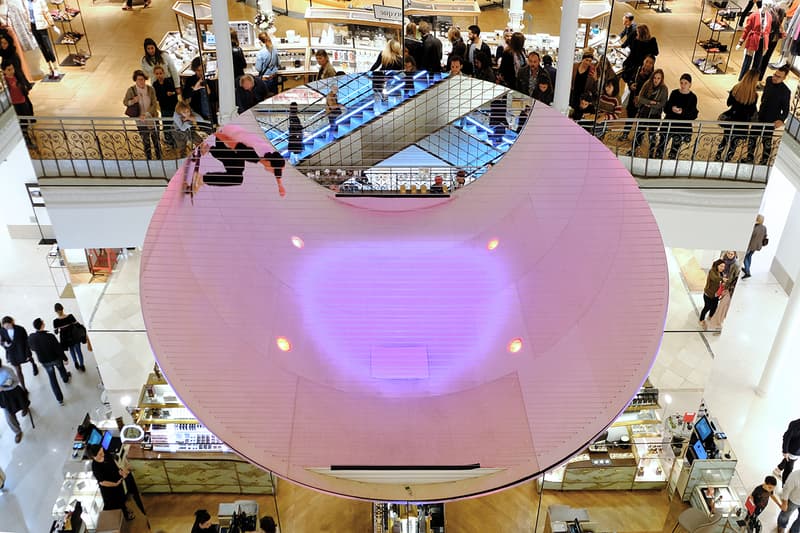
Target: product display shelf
x=592, y=15
x=183, y=50
x=655, y=463
x=725, y=499
x=454, y=8
x=64, y=16
x=79, y=487
x=293, y=56
x=710, y=53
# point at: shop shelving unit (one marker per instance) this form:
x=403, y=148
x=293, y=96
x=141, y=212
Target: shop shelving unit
x=717, y=23
x=69, y=37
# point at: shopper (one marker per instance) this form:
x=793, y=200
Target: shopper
x=776, y=35
x=650, y=104
x=512, y=60
x=458, y=48
x=237, y=56
x=167, y=96
x=409, y=71
x=129, y=5
x=431, y=49
x=731, y=276
x=482, y=67
x=413, y=46
x=184, y=122
x=628, y=33
x=760, y=498
x=197, y=91
x=326, y=70
x=334, y=110
x=608, y=106
x=772, y=113
x=295, y=132
x=742, y=106
x=790, y=502
x=111, y=478
x=456, y=65
x=268, y=63
x=547, y=64
x=584, y=79
x=755, y=38
x=681, y=106
x=634, y=87
x=267, y=524
x=50, y=355
x=498, y=53
x=154, y=57
x=10, y=54
x=390, y=59
x=71, y=334
x=40, y=21
x=250, y=92
x=475, y=45
x=642, y=46
x=522, y=118
x=14, y=339
x=13, y=398
x=18, y=89
x=528, y=75
x=202, y=522
x=790, y=447
x=143, y=95
x=712, y=291
x=758, y=239
x=544, y=89
x=498, y=121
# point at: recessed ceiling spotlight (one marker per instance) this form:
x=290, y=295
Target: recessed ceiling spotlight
x=297, y=242
x=494, y=243
x=515, y=345
x=283, y=344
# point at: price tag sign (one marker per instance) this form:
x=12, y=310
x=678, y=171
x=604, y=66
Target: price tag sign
x=388, y=13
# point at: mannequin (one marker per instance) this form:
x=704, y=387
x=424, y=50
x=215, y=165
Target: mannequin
x=12, y=17
x=39, y=20
x=755, y=37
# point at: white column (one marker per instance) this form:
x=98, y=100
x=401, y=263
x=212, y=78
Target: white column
x=515, y=14
x=227, y=94
x=265, y=6
x=782, y=347
x=566, y=54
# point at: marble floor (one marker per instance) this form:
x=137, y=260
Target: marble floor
x=691, y=366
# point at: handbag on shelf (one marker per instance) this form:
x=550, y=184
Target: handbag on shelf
x=133, y=111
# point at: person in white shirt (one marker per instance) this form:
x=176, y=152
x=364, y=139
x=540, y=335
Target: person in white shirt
x=790, y=502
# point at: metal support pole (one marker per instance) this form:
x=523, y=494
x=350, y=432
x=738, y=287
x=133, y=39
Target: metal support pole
x=226, y=83
x=566, y=54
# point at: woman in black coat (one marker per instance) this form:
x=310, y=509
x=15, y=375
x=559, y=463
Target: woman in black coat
x=742, y=106
x=295, y=131
x=644, y=45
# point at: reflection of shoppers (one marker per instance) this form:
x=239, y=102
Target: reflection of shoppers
x=13, y=398
x=145, y=96
x=14, y=339
x=51, y=355
x=712, y=291
x=333, y=109
x=68, y=332
x=758, y=239
x=233, y=155
x=295, y=131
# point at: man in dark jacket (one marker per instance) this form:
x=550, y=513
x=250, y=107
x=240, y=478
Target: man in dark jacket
x=790, y=449
x=773, y=110
x=250, y=92
x=15, y=340
x=51, y=355
x=475, y=45
x=431, y=49
x=528, y=76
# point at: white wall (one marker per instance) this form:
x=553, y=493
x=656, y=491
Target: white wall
x=16, y=211
x=705, y=219
x=786, y=263
x=101, y=217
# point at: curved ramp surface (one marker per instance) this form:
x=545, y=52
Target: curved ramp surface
x=400, y=318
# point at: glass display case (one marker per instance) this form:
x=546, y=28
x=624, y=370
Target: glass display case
x=655, y=462
x=353, y=38
x=725, y=499
x=79, y=487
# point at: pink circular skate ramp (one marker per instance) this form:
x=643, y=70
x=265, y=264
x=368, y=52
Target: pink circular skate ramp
x=400, y=382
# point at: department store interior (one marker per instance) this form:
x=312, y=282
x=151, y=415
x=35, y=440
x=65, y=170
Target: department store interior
x=653, y=420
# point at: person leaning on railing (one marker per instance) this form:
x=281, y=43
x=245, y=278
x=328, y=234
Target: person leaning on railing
x=681, y=105
x=742, y=107
x=143, y=95
x=773, y=112
x=650, y=105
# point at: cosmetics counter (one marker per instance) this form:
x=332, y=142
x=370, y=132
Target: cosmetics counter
x=175, y=453
x=413, y=518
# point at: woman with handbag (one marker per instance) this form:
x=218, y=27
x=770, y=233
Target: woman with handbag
x=71, y=334
x=731, y=275
x=650, y=104
x=141, y=103
x=714, y=288
x=742, y=107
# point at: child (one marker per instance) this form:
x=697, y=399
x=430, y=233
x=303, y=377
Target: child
x=184, y=121
x=544, y=89
x=760, y=499
x=166, y=95
x=409, y=70
x=18, y=89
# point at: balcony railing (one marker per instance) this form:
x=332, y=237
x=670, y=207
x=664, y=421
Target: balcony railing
x=105, y=147
x=793, y=120
x=731, y=151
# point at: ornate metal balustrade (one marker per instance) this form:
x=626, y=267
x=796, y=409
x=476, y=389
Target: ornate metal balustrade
x=793, y=120
x=733, y=151
x=104, y=147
